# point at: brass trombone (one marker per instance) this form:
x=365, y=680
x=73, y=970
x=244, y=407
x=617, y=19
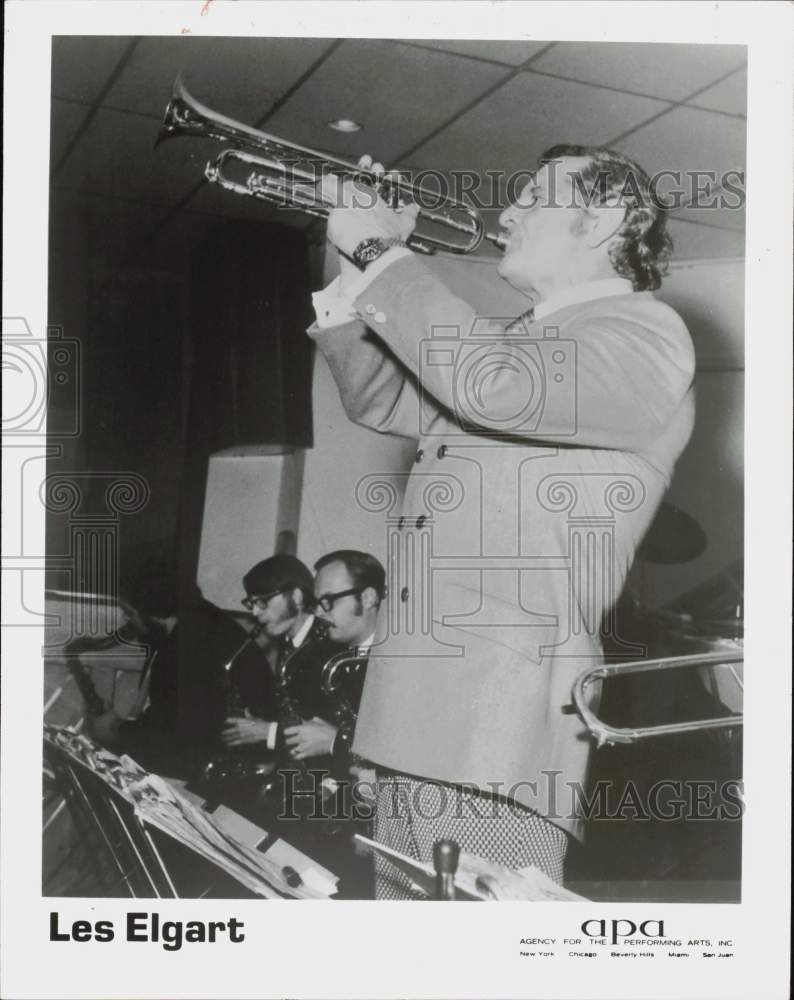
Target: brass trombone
x=707, y=663
x=288, y=175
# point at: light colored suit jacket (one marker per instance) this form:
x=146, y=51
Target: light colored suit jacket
x=541, y=459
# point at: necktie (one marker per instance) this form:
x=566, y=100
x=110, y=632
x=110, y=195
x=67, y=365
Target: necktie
x=286, y=647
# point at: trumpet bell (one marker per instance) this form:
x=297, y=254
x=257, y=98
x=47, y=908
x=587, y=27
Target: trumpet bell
x=267, y=168
x=185, y=116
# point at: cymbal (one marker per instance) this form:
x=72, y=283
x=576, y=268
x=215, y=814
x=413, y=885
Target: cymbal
x=673, y=537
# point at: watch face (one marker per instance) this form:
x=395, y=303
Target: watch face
x=369, y=250
x=372, y=251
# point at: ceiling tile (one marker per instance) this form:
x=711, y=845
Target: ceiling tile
x=511, y=128
x=240, y=77
x=398, y=93
x=66, y=119
x=512, y=53
x=668, y=71
x=694, y=242
x=729, y=96
x=82, y=64
x=687, y=139
x=115, y=156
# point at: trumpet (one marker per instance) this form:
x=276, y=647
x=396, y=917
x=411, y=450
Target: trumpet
x=262, y=166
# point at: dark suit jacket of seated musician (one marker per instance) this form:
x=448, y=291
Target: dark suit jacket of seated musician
x=179, y=728
x=301, y=696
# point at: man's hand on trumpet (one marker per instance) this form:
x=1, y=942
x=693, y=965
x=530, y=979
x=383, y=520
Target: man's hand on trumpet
x=360, y=213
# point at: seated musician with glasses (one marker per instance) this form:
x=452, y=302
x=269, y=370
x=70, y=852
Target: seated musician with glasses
x=279, y=595
x=319, y=676
x=349, y=588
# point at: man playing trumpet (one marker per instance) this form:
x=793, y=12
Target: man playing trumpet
x=552, y=428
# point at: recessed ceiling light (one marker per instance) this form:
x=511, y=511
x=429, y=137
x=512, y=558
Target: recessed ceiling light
x=344, y=125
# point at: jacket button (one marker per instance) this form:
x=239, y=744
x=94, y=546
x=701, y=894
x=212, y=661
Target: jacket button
x=420, y=455
x=379, y=317
x=442, y=451
x=369, y=309
x=420, y=520
x=404, y=594
x=401, y=524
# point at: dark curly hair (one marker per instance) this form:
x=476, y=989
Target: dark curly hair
x=643, y=246
x=280, y=572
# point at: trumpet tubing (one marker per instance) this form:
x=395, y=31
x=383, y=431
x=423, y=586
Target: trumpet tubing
x=288, y=175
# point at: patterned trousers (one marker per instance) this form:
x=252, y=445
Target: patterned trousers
x=412, y=814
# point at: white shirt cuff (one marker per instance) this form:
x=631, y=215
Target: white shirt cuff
x=330, y=783
x=272, y=733
x=333, y=309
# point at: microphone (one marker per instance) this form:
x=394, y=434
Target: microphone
x=445, y=861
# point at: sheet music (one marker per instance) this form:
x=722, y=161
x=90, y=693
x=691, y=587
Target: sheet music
x=158, y=804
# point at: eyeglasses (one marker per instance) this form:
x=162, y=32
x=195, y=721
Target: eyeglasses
x=260, y=601
x=326, y=601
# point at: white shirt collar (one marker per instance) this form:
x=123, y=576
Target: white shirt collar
x=601, y=289
x=302, y=632
x=364, y=647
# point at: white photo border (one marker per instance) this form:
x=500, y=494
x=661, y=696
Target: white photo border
x=363, y=949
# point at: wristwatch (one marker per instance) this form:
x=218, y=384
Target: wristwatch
x=370, y=249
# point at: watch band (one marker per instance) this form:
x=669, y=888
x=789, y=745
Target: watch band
x=370, y=249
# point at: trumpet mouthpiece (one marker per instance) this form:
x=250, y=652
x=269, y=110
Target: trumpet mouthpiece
x=498, y=239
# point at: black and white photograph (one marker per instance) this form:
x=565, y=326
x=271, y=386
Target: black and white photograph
x=380, y=515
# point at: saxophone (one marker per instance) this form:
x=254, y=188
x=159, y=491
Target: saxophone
x=338, y=669
x=342, y=679
x=235, y=765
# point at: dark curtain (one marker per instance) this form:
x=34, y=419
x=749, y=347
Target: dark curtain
x=174, y=370
x=251, y=358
